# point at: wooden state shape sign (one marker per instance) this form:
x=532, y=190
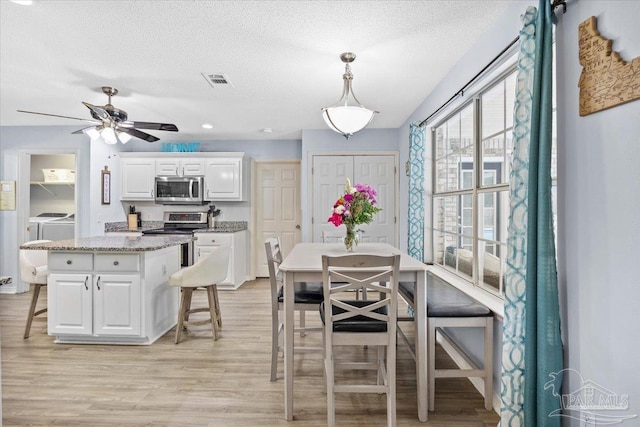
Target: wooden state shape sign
x=606, y=79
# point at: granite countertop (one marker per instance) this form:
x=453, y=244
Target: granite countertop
x=113, y=243
x=220, y=227
x=225, y=227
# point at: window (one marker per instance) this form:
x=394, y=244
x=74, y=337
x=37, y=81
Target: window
x=472, y=150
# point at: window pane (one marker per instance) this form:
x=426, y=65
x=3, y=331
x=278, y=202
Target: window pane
x=510, y=93
x=493, y=155
x=493, y=214
x=466, y=129
x=492, y=272
x=441, y=174
x=453, y=133
x=459, y=259
x=493, y=110
x=440, y=141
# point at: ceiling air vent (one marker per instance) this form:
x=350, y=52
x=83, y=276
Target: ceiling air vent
x=217, y=80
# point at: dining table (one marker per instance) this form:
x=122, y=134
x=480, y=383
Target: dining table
x=304, y=264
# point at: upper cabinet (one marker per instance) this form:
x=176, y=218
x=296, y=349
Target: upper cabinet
x=179, y=167
x=223, y=179
x=138, y=177
x=223, y=173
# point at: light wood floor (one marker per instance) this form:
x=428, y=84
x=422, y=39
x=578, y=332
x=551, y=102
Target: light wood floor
x=198, y=382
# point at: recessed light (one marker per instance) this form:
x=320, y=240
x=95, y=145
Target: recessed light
x=207, y=126
x=23, y=2
x=267, y=130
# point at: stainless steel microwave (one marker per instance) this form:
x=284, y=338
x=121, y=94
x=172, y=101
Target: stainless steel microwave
x=179, y=190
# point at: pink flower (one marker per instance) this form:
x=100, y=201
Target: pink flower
x=336, y=219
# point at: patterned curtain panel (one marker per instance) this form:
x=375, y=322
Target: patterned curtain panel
x=415, y=233
x=532, y=348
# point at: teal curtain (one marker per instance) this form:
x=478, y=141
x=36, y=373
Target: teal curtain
x=532, y=347
x=415, y=217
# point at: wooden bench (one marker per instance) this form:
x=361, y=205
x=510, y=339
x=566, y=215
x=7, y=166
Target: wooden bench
x=448, y=307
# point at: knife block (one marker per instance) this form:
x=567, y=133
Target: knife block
x=132, y=221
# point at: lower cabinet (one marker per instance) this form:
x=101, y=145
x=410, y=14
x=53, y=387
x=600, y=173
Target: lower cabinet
x=112, y=298
x=95, y=304
x=237, y=271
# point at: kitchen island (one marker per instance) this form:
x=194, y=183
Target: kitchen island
x=112, y=289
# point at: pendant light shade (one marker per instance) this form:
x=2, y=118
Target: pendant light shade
x=347, y=116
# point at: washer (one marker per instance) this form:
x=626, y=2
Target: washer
x=58, y=229
x=36, y=222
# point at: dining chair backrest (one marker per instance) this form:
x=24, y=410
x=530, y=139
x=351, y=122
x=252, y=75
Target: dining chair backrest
x=372, y=272
x=333, y=236
x=274, y=259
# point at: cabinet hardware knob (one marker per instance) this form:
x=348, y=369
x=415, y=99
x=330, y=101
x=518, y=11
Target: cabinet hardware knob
x=213, y=240
x=69, y=262
x=115, y=263
x=98, y=283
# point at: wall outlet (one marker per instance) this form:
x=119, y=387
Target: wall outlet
x=99, y=218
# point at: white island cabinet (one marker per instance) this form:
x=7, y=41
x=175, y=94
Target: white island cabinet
x=112, y=290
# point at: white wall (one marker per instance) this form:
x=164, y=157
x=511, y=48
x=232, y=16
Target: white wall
x=599, y=212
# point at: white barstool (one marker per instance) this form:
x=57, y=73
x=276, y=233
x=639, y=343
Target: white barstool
x=206, y=273
x=34, y=270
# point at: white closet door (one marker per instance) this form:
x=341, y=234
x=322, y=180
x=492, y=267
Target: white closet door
x=278, y=209
x=379, y=173
x=329, y=178
x=330, y=175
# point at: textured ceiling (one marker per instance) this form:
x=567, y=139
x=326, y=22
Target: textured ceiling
x=282, y=58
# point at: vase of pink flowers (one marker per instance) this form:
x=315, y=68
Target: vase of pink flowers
x=356, y=206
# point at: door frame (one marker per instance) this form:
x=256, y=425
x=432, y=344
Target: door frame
x=255, y=244
x=307, y=226
x=23, y=204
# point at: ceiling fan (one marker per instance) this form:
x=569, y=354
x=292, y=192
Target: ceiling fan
x=114, y=121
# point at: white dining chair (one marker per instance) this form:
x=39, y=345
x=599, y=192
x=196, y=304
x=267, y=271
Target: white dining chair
x=358, y=322
x=308, y=297
x=337, y=236
x=206, y=273
x=35, y=271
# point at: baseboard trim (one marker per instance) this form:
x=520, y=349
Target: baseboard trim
x=462, y=361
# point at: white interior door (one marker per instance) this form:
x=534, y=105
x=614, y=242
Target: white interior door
x=277, y=208
x=329, y=179
x=379, y=173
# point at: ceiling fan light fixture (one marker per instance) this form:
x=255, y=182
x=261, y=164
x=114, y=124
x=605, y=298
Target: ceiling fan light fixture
x=93, y=133
x=348, y=115
x=109, y=136
x=123, y=137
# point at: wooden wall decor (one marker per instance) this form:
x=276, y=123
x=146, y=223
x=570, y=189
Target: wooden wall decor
x=606, y=79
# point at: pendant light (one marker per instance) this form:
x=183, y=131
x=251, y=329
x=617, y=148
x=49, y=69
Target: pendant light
x=348, y=115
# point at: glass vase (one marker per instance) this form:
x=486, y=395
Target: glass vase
x=351, y=239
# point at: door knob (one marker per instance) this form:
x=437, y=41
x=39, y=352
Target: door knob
x=298, y=227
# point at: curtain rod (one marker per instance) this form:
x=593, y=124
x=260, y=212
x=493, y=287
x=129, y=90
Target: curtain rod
x=554, y=4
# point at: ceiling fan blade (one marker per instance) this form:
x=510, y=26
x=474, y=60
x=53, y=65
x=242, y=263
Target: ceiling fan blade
x=138, y=134
x=96, y=127
x=100, y=112
x=149, y=125
x=57, y=115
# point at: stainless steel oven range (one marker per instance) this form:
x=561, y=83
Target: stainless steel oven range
x=182, y=223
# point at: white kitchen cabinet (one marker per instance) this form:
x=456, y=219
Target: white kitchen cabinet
x=94, y=304
x=116, y=304
x=223, y=179
x=111, y=298
x=237, y=244
x=179, y=167
x=138, y=178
